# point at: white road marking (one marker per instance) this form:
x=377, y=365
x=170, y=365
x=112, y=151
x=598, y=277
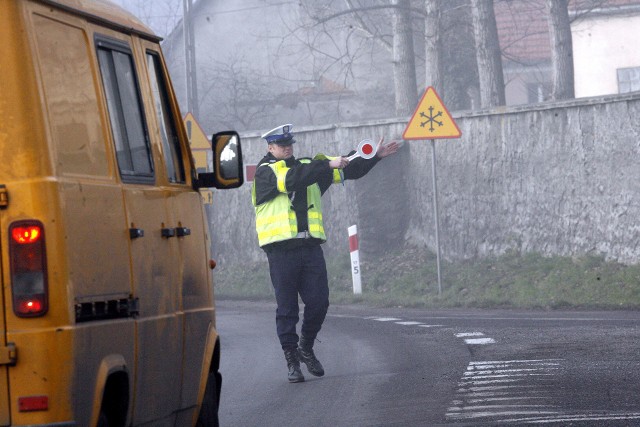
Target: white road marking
x=469, y=334
x=430, y=326
x=573, y=417
x=409, y=323
x=479, y=341
x=493, y=390
x=494, y=414
x=474, y=372
x=386, y=319
x=509, y=362
x=508, y=375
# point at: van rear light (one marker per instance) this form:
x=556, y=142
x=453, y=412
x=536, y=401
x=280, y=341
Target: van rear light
x=28, y=268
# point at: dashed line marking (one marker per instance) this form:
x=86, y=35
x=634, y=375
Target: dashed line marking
x=475, y=341
x=466, y=335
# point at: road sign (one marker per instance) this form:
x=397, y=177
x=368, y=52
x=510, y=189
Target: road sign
x=200, y=144
x=431, y=120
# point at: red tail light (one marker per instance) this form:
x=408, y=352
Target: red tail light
x=28, y=268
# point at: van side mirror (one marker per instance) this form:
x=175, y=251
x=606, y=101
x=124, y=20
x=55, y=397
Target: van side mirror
x=227, y=162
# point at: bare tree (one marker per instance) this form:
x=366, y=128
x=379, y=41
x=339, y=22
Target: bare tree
x=383, y=193
x=488, y=53
x=433, y=41
x=161, y=15
x=365, y=25
x=561, y=49
x=236, y=86
x=404, y=67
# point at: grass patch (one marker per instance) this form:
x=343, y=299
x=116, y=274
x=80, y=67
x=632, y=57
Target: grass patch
x=408, y=278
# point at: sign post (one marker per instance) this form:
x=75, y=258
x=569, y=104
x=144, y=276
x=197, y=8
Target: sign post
x=431, y=120
x=355, y=259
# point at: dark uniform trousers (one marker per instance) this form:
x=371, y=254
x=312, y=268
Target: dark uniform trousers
x=299, y=270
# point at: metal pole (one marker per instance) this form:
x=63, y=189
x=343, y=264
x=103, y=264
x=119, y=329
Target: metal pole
x=195, y=106
x=189, y=58
x=187, y=51
x=435, y=212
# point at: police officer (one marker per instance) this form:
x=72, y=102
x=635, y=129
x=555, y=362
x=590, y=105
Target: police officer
x=287, y=199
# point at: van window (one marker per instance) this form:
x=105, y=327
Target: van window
x=125, y=112
x=166, y=124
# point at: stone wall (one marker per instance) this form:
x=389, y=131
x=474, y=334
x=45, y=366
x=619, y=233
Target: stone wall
x=555, y=178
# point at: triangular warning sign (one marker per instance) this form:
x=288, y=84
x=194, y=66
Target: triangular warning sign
x=197, y=138
x=200, y=144
x=431, y=120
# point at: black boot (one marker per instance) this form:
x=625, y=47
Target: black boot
x=309, y=358
x=293, y=363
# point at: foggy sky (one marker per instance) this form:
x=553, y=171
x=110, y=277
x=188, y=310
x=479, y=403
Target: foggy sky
x=161, y=15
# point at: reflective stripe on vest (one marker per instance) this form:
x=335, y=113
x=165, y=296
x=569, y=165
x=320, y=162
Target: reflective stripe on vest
x=276, y=220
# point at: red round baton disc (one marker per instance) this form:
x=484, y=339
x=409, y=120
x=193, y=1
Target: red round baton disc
x=366, y=149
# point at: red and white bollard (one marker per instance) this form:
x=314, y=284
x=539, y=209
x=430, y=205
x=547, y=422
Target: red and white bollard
x=355, y=259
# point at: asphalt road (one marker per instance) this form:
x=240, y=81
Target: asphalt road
x=407, y=367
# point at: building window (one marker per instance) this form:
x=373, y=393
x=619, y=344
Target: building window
x=628, y=79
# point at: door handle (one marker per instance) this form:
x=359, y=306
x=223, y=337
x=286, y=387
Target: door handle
x=168, y=232
x=134, y=233
x=183, y=231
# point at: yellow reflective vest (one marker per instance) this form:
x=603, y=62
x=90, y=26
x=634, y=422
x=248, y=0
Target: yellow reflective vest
x=276, y=220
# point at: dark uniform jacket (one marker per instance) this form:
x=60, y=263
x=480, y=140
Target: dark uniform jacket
x=299, y=177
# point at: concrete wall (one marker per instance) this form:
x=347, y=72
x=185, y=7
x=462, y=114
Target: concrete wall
x=555, y=178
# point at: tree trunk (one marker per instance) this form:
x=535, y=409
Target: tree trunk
x=488, y=53
x=561, y=49
x=433, y=65
x=404, y=67
x=382, y=196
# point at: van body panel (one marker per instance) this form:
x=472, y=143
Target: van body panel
x=100, y=357
x=94, y=212
x=155, y=281
x=4, y=384
x=195, y=276
x=12, y=109
x=45, y=364
x=22, y=132
x=38, y=339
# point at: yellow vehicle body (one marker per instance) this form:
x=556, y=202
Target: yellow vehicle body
x=95, y=156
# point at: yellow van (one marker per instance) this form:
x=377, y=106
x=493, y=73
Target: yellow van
x=106, y=307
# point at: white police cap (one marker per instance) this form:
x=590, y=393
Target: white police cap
x=281, y=135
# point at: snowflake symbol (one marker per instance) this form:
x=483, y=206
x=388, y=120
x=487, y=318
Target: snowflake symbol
x=431, y=119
